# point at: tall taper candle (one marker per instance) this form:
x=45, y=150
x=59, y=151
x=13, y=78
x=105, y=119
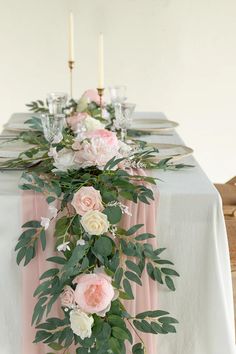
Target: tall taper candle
x=100, y=61
x=71, y=38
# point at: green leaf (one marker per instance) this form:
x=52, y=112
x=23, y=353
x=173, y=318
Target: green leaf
x=157, y=275
x=150, y=270
x=116, y=321
x=20, y=255
x=169, y=328
x=118, y=276
x=82, y=351
x=114, y=345
x=155, y=313
x=169, y=282
x=50, y=199
x=145, y=236
x=29, y=255
x=58, y=260
x=163, y=261
x=133, y=266
x=25, y=238
x=157, y=328
x=128, y=289
x=103, y=246
x=168, y=320
x=56, y=188
x=134, y=229
x=41, y=335
x=133, y=277
x=169, y=271
x=109, y=196
x=114, y=214
x=120, y=333
x=42, y=287
x=143, y=326
x=49, y=273
x=34, y=223
x=43, y=239
x=55, y=346
x=61, y=226
x=138, y=349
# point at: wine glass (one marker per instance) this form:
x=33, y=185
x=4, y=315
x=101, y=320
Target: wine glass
x=117, y=94
x=56, y=102
x=52, y=127
x=123, y=114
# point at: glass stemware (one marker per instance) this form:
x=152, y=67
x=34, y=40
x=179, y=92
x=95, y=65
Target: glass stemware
x=117, y=94
x=56, y=102
x=123, y=121
x=53, y=127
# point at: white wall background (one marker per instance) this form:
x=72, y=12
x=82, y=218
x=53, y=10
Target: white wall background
x=175, y=56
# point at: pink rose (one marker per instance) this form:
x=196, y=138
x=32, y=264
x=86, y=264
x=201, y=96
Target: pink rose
x=67, y=297
x=108, y=137
x=95, y=152
x=75, y=120
x=86, y=199
x=93, y=293
x=92, y=96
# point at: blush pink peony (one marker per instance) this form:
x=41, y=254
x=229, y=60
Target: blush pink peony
x=76, y=119
x=67, y=297
x=107, y=136
x=93, y=293
x=95, y=152
x=86, y=199
x=92, y=96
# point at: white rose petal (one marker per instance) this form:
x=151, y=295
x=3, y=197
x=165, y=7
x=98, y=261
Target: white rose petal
x=95, y=223
x=65, y=160
x=63, y=247
x=92, y=124
x=45, y=223
x=80, y=242
x=81, y=324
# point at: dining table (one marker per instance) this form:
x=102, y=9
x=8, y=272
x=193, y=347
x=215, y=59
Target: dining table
x=190, y=225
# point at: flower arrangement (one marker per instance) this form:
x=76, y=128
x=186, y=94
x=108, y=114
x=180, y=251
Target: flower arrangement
x=87, y=182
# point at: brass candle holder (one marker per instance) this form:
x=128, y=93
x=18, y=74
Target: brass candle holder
x=100, y=93
x=71, y=64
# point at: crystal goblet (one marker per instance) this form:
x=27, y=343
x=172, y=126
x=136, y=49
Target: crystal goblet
x=123, y=114
x=56, y=102
x=117, y=94
x=53, y=127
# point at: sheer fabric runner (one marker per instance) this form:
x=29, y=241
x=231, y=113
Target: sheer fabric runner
x=145, y=296
x=34, y=207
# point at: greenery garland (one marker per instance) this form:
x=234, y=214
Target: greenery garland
x=91, y=245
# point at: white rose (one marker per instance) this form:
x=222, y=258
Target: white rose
x=92, y=124
x=95, y=223
x=64, y=160
x=81, y=324
x=82, y=104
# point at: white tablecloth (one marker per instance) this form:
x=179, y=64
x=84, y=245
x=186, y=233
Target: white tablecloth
x=190, y=225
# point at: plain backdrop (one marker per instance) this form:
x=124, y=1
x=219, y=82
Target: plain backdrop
x=175, y=56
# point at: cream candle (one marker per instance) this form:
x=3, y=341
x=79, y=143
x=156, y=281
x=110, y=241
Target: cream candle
x=100, y=61
x=71, y=38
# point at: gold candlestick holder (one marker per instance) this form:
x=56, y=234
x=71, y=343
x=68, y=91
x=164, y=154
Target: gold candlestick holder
x=71, y=64
x=100, y=93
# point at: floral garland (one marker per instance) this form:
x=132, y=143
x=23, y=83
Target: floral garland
x=86, y=183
